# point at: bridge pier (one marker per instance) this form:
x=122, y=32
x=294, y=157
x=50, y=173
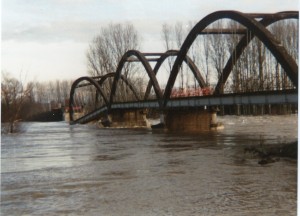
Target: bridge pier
x=128, y=118
x=192, y=120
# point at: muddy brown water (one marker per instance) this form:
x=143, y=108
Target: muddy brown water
x=58, y=169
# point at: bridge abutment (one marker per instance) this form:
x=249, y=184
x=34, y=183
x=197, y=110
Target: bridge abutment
x=127, y=118
x=195, y=120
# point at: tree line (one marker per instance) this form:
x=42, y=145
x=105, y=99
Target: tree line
x=21, y=100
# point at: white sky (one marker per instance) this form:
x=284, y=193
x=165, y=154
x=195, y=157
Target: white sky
x=48, y=39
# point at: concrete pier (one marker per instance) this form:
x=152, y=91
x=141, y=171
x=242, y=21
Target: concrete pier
x=195, y=120
x=127, y=118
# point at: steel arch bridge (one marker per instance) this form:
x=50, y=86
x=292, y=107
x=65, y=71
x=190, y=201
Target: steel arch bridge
x=255, y=25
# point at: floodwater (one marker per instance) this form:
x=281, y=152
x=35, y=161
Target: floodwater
x=58, y=169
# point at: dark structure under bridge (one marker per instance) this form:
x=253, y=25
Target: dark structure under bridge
x=194, y=110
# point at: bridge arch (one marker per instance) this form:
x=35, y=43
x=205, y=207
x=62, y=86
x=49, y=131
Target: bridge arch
x=127, y=82
x=244, y=42
x=72, y=91
x=278, y=51
x=187, y=60
x=148, y=69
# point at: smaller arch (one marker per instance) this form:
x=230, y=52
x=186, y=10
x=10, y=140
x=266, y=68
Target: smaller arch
x=187, y=60
x=128, y=83
x=148, y=69
x=72, y=91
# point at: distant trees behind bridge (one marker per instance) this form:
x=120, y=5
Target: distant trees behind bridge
x=21, y=99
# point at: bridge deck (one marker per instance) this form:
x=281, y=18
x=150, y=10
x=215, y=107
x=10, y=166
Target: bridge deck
x=255, y=98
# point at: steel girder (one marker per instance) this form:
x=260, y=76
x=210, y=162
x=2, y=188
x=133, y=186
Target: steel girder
x=152, y=73
x=148, y=69
x=247, y=20
x=97, y=82
x=243, y=43
x=187, y=60
x=74, y=86
x=127, y=82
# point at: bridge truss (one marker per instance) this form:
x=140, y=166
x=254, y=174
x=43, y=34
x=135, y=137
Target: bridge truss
x=255, y=25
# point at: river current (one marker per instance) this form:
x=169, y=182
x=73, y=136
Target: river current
x=58, y=169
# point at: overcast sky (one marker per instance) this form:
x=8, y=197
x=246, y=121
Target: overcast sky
x=48, y=39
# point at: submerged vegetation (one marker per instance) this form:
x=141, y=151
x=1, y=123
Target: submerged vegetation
x=272, y=153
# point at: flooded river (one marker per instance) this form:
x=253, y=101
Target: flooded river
x=58, y=169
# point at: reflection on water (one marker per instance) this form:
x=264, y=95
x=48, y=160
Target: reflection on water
x=54, y=168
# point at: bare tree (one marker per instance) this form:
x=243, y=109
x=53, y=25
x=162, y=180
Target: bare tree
x=260, y=58
x=108, y=47
x=206, y=56
x=173, y=37
x=58, y=91
x=286, y=32
x=218, y=49
x=179, y=36
x=65, y=87
x=13, y=96
x=168, y=41
x=51, y=91
x=39, y=92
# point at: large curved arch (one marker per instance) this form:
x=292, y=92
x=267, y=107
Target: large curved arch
x=243, y=43
x=148, y=69
x=187, y=60
x=72, y=91
x=128, y=83
x=286, y=61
